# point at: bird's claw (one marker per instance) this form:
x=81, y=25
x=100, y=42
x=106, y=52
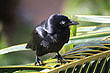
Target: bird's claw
x=60, y=59
x=38, y=62
x=64, y=61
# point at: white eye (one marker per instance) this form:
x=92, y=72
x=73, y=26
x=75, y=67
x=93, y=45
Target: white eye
x=62, y=22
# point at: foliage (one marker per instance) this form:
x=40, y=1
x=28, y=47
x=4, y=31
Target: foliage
x=86, y=7
x=84, y=37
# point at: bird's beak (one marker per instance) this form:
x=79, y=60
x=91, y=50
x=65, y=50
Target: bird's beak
x=73, y=22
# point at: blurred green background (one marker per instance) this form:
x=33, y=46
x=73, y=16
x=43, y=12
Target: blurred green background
x=19, y=17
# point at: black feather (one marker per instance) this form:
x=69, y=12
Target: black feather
x=50, y=35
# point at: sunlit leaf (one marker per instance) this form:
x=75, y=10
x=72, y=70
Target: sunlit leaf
x=88, y=37
x=87, y=29
x=93, y=18
x=13, y=49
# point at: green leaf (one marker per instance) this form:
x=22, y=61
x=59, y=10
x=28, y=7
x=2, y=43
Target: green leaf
x=88, y=37
x=22, y=69
x=93, y=18
x=73, y=30
x=25, y=71
x=13, y=49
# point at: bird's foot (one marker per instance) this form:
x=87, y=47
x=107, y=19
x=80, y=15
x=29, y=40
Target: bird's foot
x=38, y=62
x=60, y=59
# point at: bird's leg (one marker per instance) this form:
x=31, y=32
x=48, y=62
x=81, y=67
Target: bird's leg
x=59, y=58
x=37, y=61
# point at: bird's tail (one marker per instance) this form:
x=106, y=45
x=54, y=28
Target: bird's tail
x=29, y=45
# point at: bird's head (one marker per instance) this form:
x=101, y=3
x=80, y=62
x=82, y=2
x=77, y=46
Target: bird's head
x=59, y=20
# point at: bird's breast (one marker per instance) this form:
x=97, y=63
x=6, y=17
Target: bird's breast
x=64, y=34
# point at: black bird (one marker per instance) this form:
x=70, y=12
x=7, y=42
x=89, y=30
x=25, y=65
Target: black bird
x=50, y=36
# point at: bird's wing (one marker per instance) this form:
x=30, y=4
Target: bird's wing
x=37, y=36
x=48, y=41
